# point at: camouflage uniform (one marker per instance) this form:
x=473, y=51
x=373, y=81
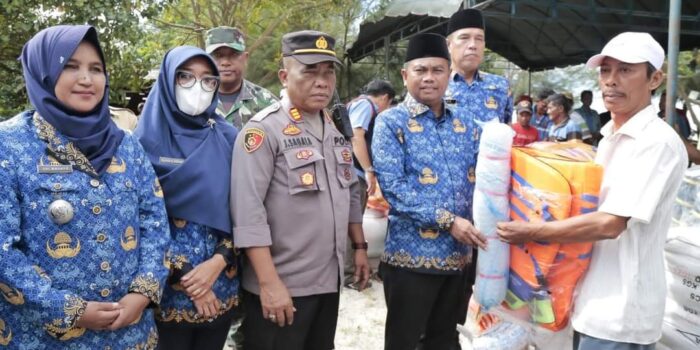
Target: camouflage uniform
x=251, y=98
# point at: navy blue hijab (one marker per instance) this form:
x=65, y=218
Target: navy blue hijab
x=191, y=157
x=43, y=58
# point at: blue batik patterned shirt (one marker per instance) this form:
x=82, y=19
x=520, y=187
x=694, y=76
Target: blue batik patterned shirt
x=113, y=245
x=193, y=244
x=486, y=98
x=425, y=167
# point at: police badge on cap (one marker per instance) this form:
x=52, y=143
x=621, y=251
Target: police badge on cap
x=309, y=47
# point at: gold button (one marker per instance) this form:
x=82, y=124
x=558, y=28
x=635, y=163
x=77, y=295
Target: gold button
x=104, y=266
x=127, y=184
x=101, y=237
x=95, y=183
x=57, y=186
x=96, y=210
x=105, y=292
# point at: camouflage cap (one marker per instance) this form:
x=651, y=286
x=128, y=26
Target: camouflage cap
x=224, y=36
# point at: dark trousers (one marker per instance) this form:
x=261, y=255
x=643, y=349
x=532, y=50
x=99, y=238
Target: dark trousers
x=586, y=342
x=313, y=328
x=205, y=337
x=471, y=280
x=421, y=304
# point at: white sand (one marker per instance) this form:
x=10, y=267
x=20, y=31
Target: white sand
x=361, y=320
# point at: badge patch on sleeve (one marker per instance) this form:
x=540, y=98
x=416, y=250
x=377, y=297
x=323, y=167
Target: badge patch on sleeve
x=253, y=139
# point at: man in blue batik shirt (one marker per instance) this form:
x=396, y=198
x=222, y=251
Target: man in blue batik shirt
x=483, y=95
x=424, y=154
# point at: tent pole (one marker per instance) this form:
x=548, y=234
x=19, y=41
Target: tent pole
x=674, y=16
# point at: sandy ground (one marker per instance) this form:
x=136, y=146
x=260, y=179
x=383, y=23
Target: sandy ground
x=361, y=320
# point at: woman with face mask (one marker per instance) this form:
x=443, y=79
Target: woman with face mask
x=190, y=147
x=82, y=221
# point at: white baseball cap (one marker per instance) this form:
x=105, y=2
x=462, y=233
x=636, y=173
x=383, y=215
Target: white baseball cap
x=631, y=47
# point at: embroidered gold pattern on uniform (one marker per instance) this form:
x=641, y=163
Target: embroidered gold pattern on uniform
x=128, y=240
x=63, y=246
x=12, y=295
x=148, y=286
x=5, y=334
x=65, y=153
x=427, y=177
x=117, y=166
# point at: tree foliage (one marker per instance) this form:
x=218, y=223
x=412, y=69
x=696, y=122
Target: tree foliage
x=119, y=23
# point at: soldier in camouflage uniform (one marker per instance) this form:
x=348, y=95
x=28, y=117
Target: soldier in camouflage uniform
x=239, y=99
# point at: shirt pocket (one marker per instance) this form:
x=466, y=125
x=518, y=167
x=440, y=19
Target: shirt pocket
x=301, y=169
x=344, y=170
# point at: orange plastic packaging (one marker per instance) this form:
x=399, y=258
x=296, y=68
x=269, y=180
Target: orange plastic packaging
x=550, y=181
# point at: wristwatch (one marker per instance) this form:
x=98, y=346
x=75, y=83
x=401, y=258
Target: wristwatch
x=358, y=246
x=369, y=169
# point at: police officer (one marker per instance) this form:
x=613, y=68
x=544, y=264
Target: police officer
x=295, y=199
x=239, y=99
x=484, y=95
x=423, y=155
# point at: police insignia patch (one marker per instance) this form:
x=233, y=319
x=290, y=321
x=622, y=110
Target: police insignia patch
x=291, y=130
x=321, y=43
x=296, y=115
x=347, y=155
x=253, y=139
x=307, y=179
x=347, y=174
x=304, y=154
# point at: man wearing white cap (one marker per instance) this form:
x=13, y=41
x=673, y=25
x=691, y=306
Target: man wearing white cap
x=621, y=300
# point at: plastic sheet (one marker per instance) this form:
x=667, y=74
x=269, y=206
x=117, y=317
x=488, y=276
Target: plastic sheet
x=686, y=210
x=550, y=185
x=491, y=206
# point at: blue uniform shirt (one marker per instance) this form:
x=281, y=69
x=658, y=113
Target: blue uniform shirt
x=486, y=98
x=425, y=167
x=114, y=244
x=192, y=244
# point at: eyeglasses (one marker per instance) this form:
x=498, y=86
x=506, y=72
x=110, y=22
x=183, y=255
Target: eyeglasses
x=187, y=80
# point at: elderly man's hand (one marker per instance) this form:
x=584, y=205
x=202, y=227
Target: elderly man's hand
x=515, y=232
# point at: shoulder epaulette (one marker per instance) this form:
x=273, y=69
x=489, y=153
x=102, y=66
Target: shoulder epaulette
x=265, y=112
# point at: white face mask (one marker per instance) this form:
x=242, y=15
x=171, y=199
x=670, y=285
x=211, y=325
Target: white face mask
x=193, y=101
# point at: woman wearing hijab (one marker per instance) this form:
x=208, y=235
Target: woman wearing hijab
x=82, y=221
x=190, y=147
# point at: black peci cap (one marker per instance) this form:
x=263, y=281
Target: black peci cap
x=427, y=45
x=469, y=18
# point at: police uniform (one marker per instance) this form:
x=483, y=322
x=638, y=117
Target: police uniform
x=68, y=238
x=251, y=98
x=296, y=192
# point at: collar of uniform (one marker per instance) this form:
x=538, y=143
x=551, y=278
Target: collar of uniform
x=459, y=78
x=416, y=109
x=245, y=94
x=633, y=127
x=287, y=106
